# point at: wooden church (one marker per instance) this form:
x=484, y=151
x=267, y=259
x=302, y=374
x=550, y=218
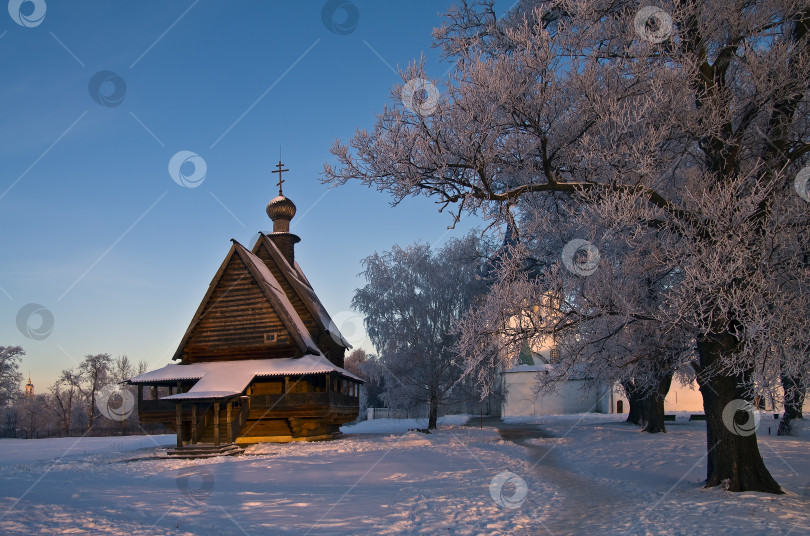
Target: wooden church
x=261, y=359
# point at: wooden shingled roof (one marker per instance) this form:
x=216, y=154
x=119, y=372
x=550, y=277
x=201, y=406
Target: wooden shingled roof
x=301, y=288
x=243, y=300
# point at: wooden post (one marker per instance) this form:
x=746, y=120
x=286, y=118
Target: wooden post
x=179, y=412
x=193, y=423
x=229, y=421
x=140, y=398
x=216, y=423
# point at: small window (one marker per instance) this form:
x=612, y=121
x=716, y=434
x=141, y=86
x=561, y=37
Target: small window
x=270, y=338
x=554, y=355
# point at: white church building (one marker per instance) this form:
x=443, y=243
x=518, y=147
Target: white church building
x=522, y=398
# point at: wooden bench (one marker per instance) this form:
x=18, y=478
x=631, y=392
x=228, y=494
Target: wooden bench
x=669, y=417
x=697, y=417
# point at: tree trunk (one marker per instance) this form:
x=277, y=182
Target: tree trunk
x=794, y=400
x=91, y=411
x=733, y=458
x=635, y=401
x=655, y=405
x=434, y=412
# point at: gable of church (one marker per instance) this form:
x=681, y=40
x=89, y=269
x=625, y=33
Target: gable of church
x=244, y=315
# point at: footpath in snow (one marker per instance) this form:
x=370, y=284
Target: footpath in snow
x=573, y=474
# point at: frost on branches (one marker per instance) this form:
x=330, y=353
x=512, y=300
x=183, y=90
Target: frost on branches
x=673, y=141
x=412, y=299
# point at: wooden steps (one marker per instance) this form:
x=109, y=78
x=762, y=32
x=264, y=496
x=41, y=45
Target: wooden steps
x=205, y=450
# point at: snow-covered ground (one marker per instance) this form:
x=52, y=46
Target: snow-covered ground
x=573, y=474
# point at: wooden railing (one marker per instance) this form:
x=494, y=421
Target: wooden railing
x=243, y=406
x=242, y=416
x=198, y=428
x=280, y=402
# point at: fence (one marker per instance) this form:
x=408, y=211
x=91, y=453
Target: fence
x=96, y=431
x=388, y=413
x=487, y=407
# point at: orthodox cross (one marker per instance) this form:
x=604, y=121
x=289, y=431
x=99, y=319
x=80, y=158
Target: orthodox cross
x=280, y=170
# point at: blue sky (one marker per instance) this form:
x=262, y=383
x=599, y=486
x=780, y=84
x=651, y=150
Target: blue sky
x=95, y=230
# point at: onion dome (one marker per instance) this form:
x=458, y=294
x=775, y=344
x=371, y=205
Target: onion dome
x=281, y=207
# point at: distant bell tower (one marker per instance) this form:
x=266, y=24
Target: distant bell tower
x=29, y=387
x=281, y=210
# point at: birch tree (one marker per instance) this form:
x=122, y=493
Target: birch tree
x=681, y=130
x=412, y=300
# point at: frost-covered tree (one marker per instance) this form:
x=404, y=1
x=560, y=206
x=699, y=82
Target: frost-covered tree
x=367, y=366
x=90, y=376
x=795, y=390
x=680, y=132
x=64, y=398
x=412, y=300
x=121, y=369
x=606, y=325
x=10, y=375
x=32, y=414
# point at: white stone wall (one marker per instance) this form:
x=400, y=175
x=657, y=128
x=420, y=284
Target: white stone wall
x=679, y=398
x=520, y=399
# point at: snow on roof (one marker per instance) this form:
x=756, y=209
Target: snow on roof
x=278, y=293
x=295, y=275
x=573, y=374
x=301, y=274
x=531, y=368
x=324, y=318
x=219, y=379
